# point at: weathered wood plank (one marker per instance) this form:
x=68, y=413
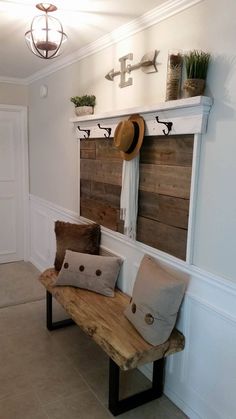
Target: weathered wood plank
x=106, y=150
x=87, y=144
x=103, y=192
x=165, y=180
x=85, y=188
x=88, y=154
x=101, y=171
x=100, y=212
x=166, y=209
x=102, y=318
x=169, y=239
x=174, y=150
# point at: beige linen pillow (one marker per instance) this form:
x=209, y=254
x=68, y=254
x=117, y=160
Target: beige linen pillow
x=84, y=238
x=92, y=272
x=155, y=302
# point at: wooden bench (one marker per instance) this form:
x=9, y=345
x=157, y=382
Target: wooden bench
x=103, y=320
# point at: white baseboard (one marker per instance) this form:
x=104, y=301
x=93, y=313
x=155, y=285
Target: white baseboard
x=201, y=379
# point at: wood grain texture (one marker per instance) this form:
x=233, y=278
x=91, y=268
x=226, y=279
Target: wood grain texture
x=101, y=171
x=161, y=236
x=103, y=320
x=87, y=144
x=103, y=192
x=100, y=212
x=174, y=150
x=106, y=150
x=88, y=154
x=165, y=180
x=166, y=209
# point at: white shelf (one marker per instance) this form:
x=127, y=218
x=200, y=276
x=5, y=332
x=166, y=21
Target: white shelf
x=188, y=116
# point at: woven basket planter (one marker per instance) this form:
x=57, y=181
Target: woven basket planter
x=194, y=87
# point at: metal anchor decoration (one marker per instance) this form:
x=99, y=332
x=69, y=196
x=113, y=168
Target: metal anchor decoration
x=147, y=65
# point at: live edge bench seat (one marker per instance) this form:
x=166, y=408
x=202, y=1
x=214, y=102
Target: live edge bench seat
x=103, y=320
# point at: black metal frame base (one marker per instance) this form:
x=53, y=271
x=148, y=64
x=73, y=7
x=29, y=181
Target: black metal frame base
x=54, y=325
x=117, y=406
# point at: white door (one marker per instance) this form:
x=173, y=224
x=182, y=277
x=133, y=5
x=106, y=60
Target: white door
x=12, y=191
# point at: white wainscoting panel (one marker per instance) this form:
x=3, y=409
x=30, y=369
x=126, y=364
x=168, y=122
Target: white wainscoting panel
x=201, y=380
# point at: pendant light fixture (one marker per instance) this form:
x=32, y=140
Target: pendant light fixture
x=46, y=35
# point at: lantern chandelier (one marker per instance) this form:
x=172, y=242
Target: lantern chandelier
x=46, y=35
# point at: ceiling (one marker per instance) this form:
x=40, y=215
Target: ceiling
x=84, y=21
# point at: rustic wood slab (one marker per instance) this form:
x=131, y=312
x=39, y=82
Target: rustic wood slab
x=166, y=209
x=100, y=212
x=162, y=236
x=174, y=150
x=103, y=320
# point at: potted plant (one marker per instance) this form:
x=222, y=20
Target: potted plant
x=84, y=105
x=196, y=63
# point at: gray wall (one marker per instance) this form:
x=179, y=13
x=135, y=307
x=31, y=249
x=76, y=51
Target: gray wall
x=13, y=94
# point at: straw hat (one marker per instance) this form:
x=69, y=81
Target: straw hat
x=128, y=137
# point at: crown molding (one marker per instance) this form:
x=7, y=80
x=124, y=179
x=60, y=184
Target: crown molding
x=14, y=80
x=150, y=18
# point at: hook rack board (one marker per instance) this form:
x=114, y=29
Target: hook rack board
x=185, y=116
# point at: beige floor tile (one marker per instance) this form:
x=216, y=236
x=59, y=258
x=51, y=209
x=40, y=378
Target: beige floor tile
x=89, y=358
x=25, y=406
x=19, y=284
x=83, y=406
x=71, y=340
x=131, y=382
x=56, y=385
x=161, y=408
x=13, y=386
x=14, y=318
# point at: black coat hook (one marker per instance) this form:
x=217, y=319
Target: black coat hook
x=167, y=124
x=108, y=134
x=87, y=132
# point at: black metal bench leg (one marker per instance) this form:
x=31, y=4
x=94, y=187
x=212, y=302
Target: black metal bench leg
x=55, y=325
x=117, y=406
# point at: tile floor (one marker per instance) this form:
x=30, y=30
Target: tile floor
x=60, y=374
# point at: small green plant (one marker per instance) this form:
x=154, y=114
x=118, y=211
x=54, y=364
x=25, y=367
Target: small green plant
x=196, y=63
x=86, y=100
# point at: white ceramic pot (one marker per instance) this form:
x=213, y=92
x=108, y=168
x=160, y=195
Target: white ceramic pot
x=84, y=110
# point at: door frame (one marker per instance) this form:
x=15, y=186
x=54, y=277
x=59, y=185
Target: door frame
x=23, y=140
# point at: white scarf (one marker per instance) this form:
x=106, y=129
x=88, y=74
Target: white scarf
x=129, y=196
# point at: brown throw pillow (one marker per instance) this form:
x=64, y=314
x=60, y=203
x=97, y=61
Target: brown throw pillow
x=155, y=302
x=84, y=238
x=94, y=273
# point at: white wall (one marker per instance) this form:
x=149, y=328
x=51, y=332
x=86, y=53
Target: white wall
x=13, y=94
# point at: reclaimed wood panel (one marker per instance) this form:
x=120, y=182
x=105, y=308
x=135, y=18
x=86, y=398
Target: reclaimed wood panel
x=165, y=180
x=101, y=171
x=174, y=150
x=103, y=192
x=164, y=189
x=87, y=144
x=167, y=238
x=102, y=318
x=88, y=154
x=167, y=209
x=105, y=150
x=100, y=212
